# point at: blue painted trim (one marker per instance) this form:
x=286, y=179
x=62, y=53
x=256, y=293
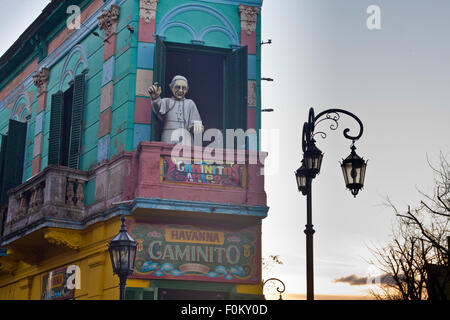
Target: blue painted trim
x=141, y=133
x=167, y=22
x=108, y=70
x=103, y=147
x=3, y=252
x=39, y=123
x=200, y=206
x=252, y=66
x=146, y=53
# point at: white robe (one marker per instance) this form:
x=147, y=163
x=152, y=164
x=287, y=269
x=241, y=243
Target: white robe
x=175, y=115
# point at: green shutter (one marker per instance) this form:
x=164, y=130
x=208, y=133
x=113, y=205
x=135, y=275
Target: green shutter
x=14, y=156
x=235, y=90
x=77, y=121
x=159, y=75
x=133, y=293
x=148, y=294
x=140, y=294
x=2, y=157
x=56, y=126
x=2, y=170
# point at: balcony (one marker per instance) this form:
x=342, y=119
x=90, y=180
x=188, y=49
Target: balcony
x=55, y=194
x=146, y=181
x=160, y=173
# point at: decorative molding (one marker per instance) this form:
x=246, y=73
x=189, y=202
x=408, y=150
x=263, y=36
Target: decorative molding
x=147, y=9
x=69, y=72
x=108, y=20
x=14, y=110
x=69, y=238
x=169, y=20
x=249, y=16
x=9, y=263
x=40, y=80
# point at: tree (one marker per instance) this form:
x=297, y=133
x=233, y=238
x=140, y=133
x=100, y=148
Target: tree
x=267, y=265
x=416, y=260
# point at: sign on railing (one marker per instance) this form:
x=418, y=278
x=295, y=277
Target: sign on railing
x=184, y=171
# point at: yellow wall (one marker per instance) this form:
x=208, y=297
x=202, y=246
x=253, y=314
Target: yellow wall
x=97, y=279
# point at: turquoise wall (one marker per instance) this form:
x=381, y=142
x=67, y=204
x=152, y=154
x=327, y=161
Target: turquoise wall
x=215, y=24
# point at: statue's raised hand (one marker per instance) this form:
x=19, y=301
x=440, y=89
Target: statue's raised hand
x=198, y=127
x=155, y=91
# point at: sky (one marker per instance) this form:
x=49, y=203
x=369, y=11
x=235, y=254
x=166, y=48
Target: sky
x=395, y=79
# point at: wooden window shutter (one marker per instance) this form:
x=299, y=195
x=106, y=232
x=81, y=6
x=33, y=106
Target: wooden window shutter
x=140, y=294
x=133, y=293
x=148, y=294
x=14, y=156
x=159, y=75
x=235, y=90
x=56, y=126
x=77, y=121
x=2, y=162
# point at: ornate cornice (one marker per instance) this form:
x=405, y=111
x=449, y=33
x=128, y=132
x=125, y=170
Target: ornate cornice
x=40, y=80
x=147, y=9
x=249, y=16
x=108, y=20
x=10, y=262
x=68, y=238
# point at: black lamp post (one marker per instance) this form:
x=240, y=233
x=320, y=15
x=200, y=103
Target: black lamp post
x=353, y=168
x=122, y=250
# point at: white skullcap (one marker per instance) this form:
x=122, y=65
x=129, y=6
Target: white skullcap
x=178, y=78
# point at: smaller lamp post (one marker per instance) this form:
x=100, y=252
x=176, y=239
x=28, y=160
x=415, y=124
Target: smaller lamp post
x=122, y=250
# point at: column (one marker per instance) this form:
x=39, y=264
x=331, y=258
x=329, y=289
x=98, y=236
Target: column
x=40, y=80
x=108, y=23
x=249, y=17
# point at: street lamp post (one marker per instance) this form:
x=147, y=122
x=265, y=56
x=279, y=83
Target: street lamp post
x=122, y=250
x=353, y=168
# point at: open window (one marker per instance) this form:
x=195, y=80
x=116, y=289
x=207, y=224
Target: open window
x=217, y=82
x=66, y=117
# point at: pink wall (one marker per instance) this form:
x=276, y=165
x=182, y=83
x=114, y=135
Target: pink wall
x=144, y=180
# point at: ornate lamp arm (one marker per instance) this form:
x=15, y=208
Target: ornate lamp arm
x=330, y=114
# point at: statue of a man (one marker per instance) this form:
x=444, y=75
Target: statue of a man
x=176, y=112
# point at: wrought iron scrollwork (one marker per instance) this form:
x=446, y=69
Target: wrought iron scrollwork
x=332, y=115
x=280, y=291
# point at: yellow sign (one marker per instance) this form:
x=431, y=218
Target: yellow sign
x=195, y=236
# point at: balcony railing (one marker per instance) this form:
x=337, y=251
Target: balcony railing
x=56, y=192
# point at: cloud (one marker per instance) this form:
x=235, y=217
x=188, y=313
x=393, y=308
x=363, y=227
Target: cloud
x=355, y=280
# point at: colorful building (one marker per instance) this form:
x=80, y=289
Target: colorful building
x=79, y=149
